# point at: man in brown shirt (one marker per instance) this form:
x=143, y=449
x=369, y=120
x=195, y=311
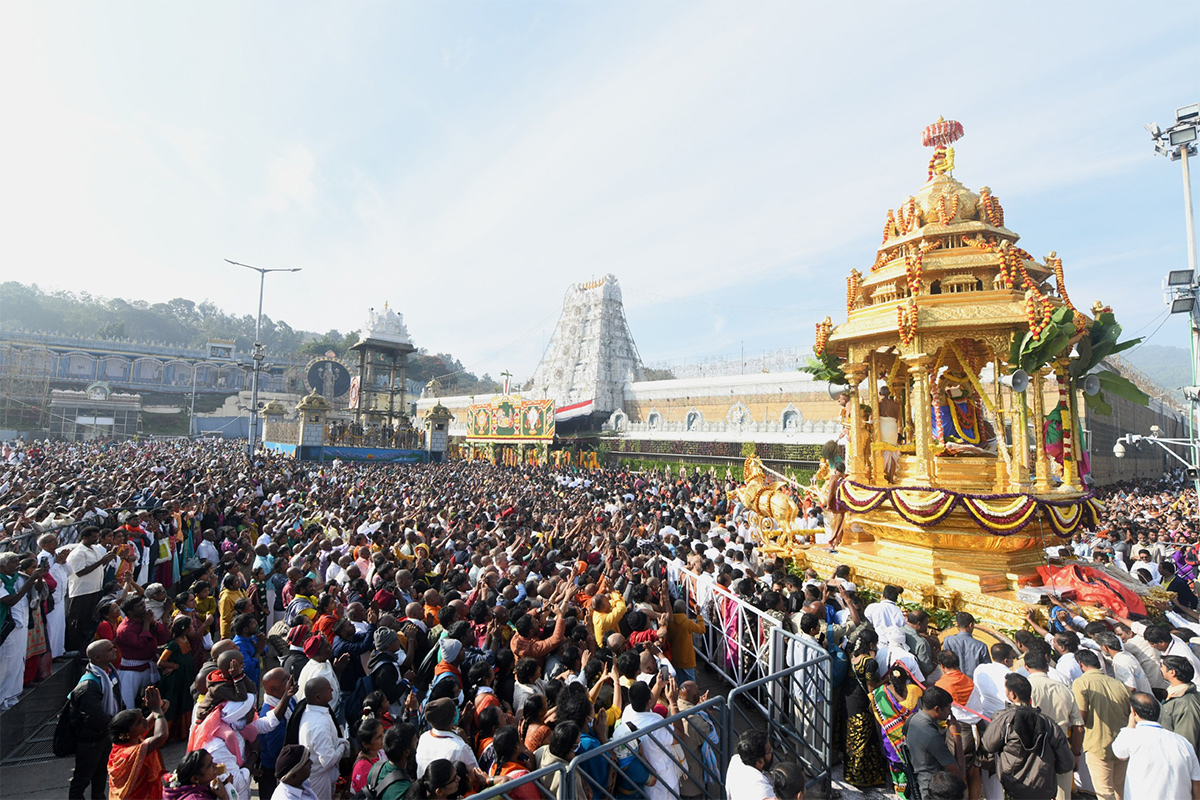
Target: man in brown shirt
x=1104, y=706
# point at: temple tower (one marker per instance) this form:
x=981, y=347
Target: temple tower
x=377, y=395
x=591, y=354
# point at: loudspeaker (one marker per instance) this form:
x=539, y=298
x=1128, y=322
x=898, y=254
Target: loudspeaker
x=1018, y=381
x=1091, y=385
x=837, y=389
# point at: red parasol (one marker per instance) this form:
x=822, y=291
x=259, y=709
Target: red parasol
x=942, y=133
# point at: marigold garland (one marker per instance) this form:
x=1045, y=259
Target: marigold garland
x=989, y=208
x=1037, y=311
x=907, y=216
x=889, y=226
x=824, y=328
x=913, y=271
x=854, y=284
x=906, y=321
x=947, y=211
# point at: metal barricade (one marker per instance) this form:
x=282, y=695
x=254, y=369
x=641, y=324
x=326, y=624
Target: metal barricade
x=737, y=636
x=26, y=541
x=539, y=779
x=672, y=756
x=795, y=700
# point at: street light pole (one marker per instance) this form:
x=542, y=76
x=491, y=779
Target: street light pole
x=259, y=350
x=1178, y=143
x=192, y=413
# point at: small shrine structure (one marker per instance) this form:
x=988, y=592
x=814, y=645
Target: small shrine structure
x=377, y=394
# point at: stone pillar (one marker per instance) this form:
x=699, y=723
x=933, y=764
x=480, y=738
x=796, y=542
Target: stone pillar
x=313, y=411
x=272, y=414
x=437, y=424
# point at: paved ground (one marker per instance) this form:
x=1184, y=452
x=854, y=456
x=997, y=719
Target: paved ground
x=49, y=780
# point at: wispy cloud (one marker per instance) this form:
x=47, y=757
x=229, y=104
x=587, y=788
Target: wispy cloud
x=726, y=162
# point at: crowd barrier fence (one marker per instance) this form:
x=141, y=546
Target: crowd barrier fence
x=782, y=682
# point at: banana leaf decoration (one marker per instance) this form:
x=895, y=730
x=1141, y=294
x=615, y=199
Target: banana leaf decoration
x=1031, y=353
x=826, y=367
x=1100, y=343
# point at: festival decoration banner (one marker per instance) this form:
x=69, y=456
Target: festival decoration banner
x=998, y=514
x=510, y=417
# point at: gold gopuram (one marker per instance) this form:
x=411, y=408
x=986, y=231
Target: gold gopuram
x=953, y=487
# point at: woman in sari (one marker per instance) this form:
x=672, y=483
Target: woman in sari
x=135, y=766
x=37, y=646
x=894, y=702
x=177, y=665
x=865, y=764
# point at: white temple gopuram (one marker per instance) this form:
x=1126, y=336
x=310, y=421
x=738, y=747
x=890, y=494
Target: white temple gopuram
x=591, y=356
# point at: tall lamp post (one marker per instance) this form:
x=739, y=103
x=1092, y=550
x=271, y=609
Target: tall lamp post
x=1190, y=464
x=259, y=349
x=1178, y=143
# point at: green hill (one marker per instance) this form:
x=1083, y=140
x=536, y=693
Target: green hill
x=185, y=322
x=1169, y=367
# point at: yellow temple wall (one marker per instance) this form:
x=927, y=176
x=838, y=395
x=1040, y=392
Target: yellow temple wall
x=766, y=398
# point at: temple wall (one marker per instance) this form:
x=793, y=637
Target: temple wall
x=1147, y=461
x=792, y=409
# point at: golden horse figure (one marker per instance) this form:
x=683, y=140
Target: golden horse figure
x=772, y=511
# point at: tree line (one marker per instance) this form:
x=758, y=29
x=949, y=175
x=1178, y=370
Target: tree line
x=187, y=323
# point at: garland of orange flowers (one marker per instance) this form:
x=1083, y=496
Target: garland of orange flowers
x=1037, y=311
x=880, y=259
x=889, y=226
x=981, y=243
x=1013, y=264
x=913, y=271
x=990, y=207
x=906, y=215
x=947, y=211
x=906, y=321
x=824, y=328
x=1055, y=263
x=854, y=285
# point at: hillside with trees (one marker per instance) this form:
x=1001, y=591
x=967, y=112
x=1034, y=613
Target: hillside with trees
x=187, y=323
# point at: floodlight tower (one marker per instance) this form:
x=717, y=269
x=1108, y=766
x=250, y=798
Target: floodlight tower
x=1178, y=143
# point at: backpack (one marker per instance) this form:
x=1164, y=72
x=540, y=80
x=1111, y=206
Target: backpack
x=374, y=788
x=65, y=741
x=353, y=705
x=839, y=666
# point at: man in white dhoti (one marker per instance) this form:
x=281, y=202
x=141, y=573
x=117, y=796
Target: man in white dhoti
x=14, y=604
x=889, y=431
x=53, y=559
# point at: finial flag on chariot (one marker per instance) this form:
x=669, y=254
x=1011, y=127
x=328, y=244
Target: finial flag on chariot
x=942, y=133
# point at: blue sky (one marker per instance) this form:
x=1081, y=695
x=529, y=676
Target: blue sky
x=466, y=161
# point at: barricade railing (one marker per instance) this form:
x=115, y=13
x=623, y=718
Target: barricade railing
x=801, y=703
x=684, y=750
x=67, y=533
x=536, y=779
x=778, y=676
x=737, y=635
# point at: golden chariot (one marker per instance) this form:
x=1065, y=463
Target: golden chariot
x=950, y=489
